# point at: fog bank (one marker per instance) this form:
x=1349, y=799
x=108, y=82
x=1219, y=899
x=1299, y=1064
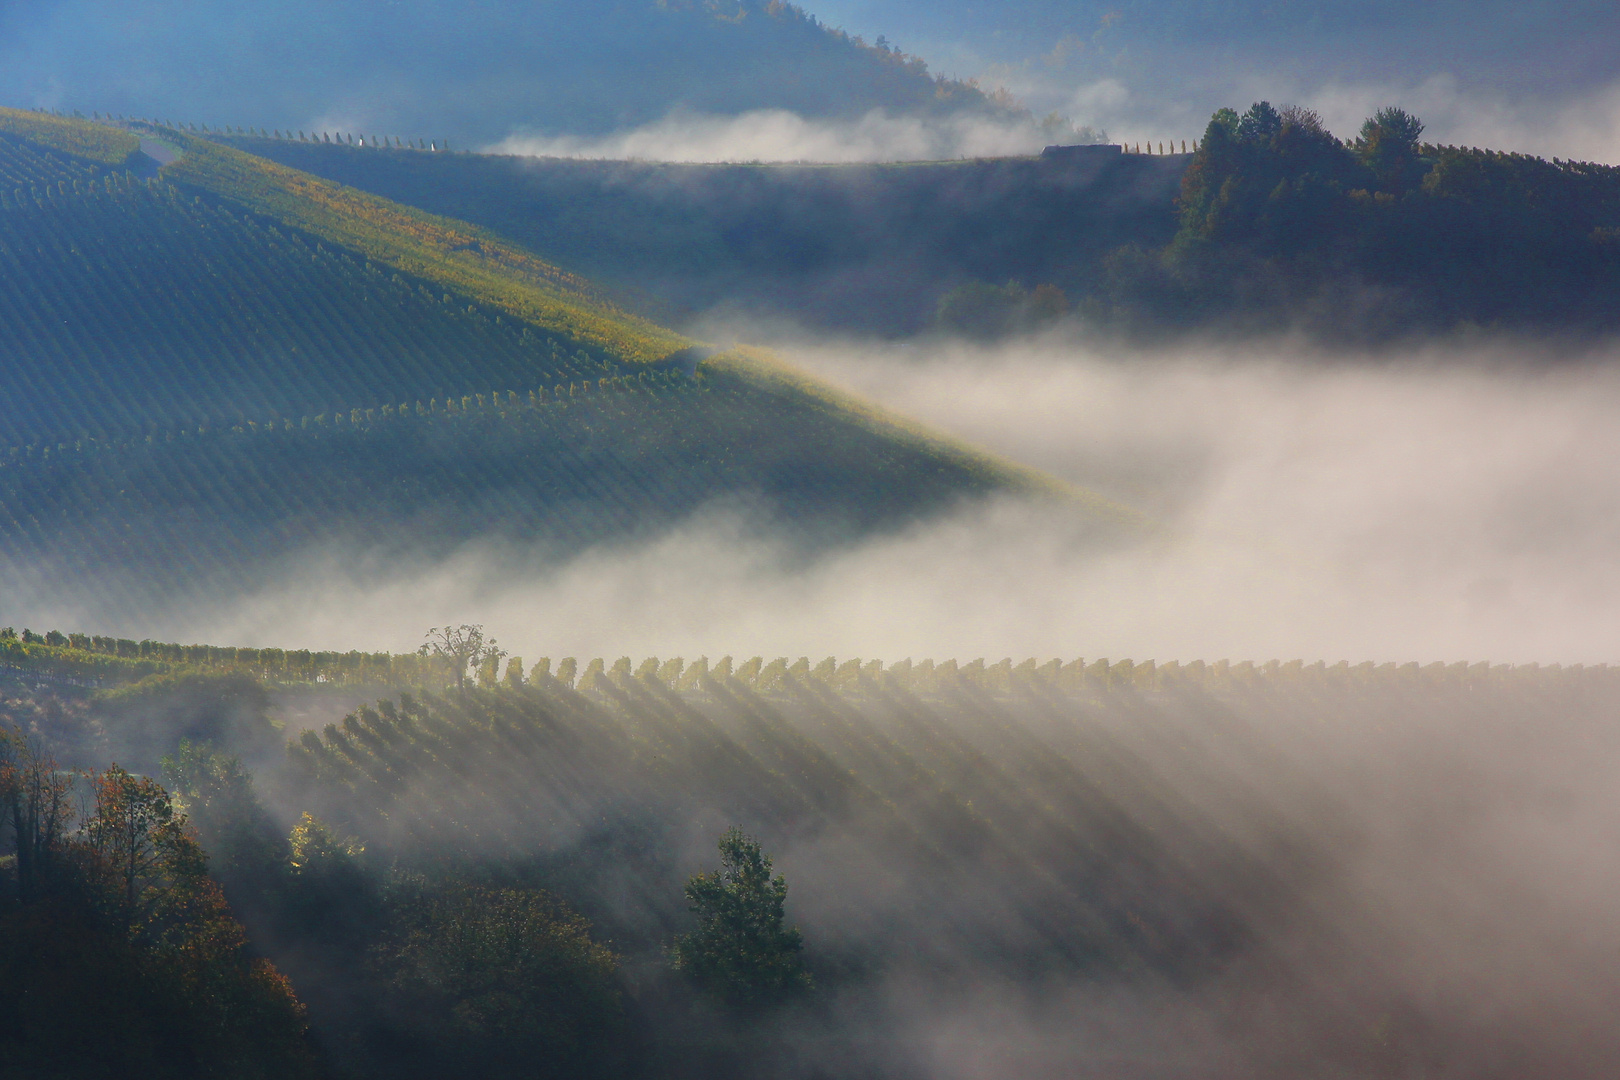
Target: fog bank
x=1452, y=506
x=778, y=135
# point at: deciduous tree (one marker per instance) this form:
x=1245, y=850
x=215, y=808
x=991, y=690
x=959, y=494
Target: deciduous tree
x=461, y=648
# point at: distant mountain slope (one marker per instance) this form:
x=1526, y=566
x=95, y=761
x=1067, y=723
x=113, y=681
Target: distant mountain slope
x=444, y=68
x=201, y=377
x=859, y=247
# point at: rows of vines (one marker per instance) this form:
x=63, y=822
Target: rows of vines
x=1065, y=813
x=194, y=507
x=130, y=307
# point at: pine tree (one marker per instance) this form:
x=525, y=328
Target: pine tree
x=740, y=951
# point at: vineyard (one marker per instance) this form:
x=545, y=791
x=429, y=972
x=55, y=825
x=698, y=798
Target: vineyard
x=57, y=652
x=1132, y=824
x=1187, y=833
x=133, y=308
x=472, y=262
x=563, y=466
x=1100, y=792
x=25, y=168
x=232, y=361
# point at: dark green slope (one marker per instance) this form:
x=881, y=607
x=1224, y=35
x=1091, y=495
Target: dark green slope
x=1275, y=223
x=867, y=247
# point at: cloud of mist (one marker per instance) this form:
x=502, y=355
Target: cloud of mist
x=778, y=135
x=1584, y=126
x=1460, y=505
x=1423, y=879
x=1300, y=875
x=1579, y=123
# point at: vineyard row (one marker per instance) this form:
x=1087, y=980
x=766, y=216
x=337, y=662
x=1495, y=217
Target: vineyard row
x=93, y=655
x=126, y=304
x=501, y=405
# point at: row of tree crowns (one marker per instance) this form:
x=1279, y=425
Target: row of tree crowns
x=481, y=662
x=1265, y=143
x=1008, y=675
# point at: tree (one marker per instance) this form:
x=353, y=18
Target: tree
x=740, y=950
x=316, y=850
x=1388, y=145
x=34, y=801
x=508, y=980
x=461, y=648
x=247, y=852
x=141, y=849
x=165, y=926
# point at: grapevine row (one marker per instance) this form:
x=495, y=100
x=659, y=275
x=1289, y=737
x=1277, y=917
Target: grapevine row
x=129, y=306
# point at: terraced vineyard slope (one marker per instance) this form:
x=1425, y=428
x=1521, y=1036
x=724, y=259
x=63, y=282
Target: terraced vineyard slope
x=232, y=360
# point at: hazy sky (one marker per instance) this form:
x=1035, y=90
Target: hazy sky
x=1541, y=78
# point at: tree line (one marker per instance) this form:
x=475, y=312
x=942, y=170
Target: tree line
x=1282, y=223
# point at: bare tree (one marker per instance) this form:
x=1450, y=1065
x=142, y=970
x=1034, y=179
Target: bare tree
x=34, y=801
x=461, y=647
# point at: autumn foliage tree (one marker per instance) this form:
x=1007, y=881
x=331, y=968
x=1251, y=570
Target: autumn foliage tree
x=117, y=950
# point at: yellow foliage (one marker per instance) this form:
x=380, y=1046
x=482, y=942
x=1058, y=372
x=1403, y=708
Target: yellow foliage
x=472, y=261
x=81, y=138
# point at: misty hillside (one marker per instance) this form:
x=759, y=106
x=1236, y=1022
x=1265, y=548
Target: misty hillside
x=868, y=248
x=1273, y=223
x=234, y=361
x=1268, y=866
x=472, y=73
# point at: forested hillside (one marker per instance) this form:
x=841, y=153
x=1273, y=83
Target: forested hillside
x=1184, y=841
x=232, y=360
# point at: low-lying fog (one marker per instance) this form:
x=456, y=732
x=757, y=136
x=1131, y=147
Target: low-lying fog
x=1461, y=504
x=1456, y=849
x=779, y=135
